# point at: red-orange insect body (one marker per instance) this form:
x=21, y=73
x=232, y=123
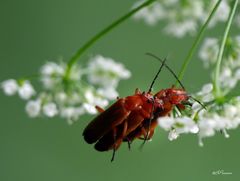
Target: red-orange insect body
x=129, y=118
x=133, y=116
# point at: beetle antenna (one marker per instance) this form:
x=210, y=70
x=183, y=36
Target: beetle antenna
x=156, y=76
x=163, y=62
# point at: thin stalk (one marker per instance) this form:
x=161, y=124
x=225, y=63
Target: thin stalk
x=216, y=82
x=90, y=42
x=195, y=43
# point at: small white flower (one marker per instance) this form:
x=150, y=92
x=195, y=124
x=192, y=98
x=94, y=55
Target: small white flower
x=93, y=100
x=180, y=29
x=50, y=109
x=183, y=18
x=227, y=79
x=72, y=113
x=225, y=133
x=61, y=97
x=100, y=102
x=209, y=51
x=230, y=111
x=48, y=82
x=207, y=88
x=108, y=93
x=226, y=73
x=177, y=126
x=10, y=87
x=221, y=14
x=89, y=96
x=76, y=73
x=26, y=90
x=206, y=127
x=173, y=135
x=151, y=14
x=166, y=122
x=196, y=106
x=51, y=74
x=33, y=108
x=68, y=112
x=74, y=98
x=186, y=125
x=220, y=121
x=90, y=108
x=106, y=72
x=206, y=93
x=51, y=68
x=208, y=97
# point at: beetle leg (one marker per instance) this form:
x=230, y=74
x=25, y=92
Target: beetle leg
x=147, y=134
x=99, y=109
x=152, y=128
x=113, y=155
x=113, y=139
x=114, y=146
x=118, y=137
x=121, y=133
x=129, y=142
x=151, y=132
x=180, y=106
x=149, y=123
x=144, y=133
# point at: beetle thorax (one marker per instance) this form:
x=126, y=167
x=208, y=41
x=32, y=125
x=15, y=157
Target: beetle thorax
x=172, y=95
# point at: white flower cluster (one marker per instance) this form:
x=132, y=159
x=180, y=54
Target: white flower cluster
x=105, y=72
x=204, y=122
x=177, y=126
x=221, y=114
x=75, y=96
x=218, y=117
x=182, y=17
x=23, y=88
x=151, y=14
x=230, y=72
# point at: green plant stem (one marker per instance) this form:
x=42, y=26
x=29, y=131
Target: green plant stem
x=216, y=82
x=195, y=43
x=89, y=43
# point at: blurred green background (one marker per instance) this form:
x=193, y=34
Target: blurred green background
x=33, y=32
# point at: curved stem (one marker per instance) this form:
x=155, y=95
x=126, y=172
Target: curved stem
x=90, y=42
x=218, y=92
x=196, y=42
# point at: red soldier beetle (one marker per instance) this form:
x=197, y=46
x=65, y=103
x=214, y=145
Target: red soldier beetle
x=134, y=116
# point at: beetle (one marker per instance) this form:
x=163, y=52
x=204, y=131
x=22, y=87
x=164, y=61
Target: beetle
x=134, y=116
